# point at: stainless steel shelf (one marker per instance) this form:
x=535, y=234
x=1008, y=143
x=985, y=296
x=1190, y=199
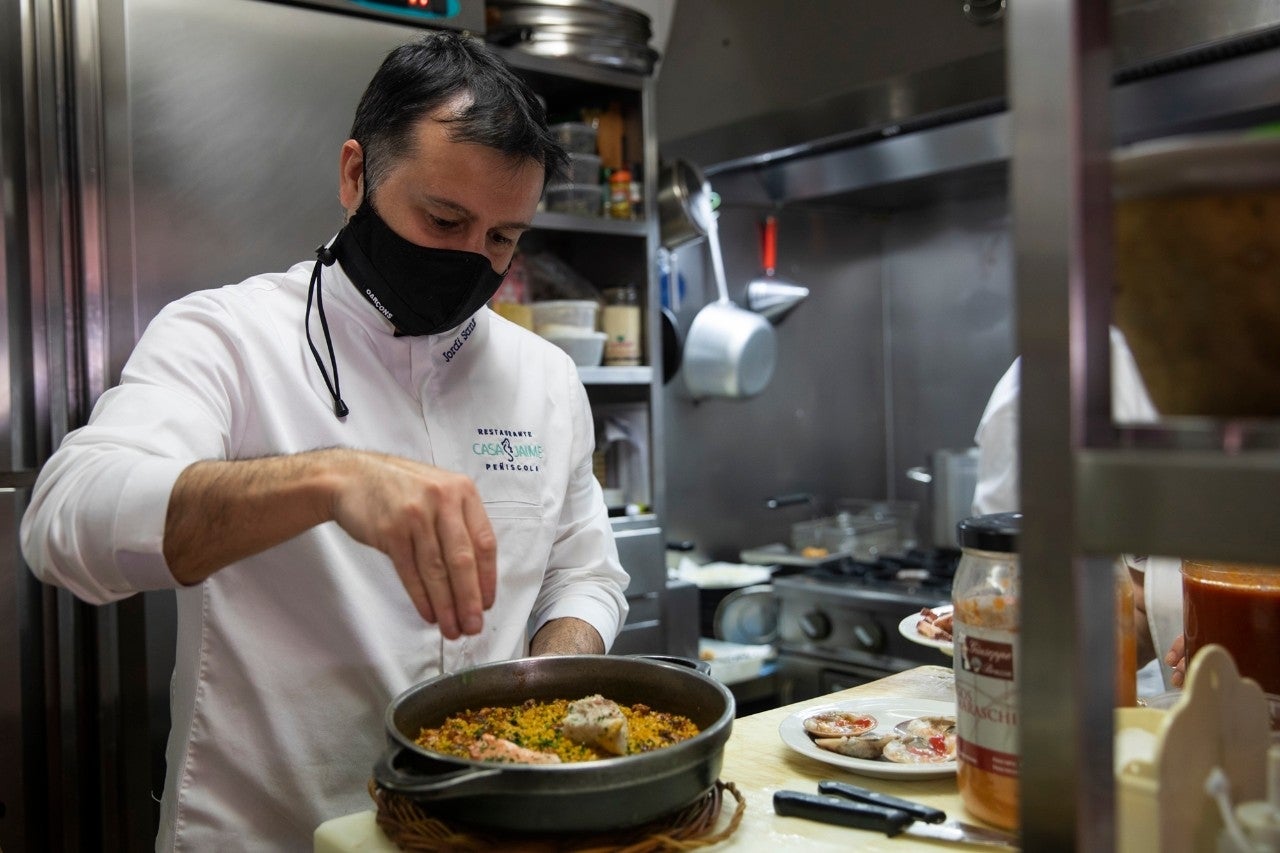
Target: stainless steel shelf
x=1185, y=503
x=552, y=221
x=642, y=375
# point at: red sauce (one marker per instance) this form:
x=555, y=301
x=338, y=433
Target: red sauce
x=1237, y=607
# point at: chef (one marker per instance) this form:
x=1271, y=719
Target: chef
x=353, y=474
x=1157, y=580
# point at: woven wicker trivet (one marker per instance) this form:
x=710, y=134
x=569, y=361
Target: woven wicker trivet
x=413, y=828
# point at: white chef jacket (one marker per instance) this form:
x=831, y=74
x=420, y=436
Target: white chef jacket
x=287, y=660
x=997, y=487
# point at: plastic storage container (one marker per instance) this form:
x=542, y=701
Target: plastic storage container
x=985, y=593
x=555, y=315
x=577, y=199
x=576, y=137
x=584, y=169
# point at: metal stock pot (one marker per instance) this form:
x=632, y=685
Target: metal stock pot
x=585, y=796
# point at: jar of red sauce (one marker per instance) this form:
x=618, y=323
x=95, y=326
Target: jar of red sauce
x=1236, y=605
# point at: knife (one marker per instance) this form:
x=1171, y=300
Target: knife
x=919, y=811
x=828, y=808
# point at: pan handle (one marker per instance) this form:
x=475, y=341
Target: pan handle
x=696, y=664
x=453, y=783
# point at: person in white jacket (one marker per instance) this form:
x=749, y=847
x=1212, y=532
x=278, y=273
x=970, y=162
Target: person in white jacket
x=1157, y=580
x=354, y=475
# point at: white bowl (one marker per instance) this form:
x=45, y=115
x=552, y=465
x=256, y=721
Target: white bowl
x=585, y=348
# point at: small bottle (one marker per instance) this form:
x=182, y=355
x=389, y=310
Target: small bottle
x=621, y=322
x=637, y=192
x=985, y=593
x=620, y=194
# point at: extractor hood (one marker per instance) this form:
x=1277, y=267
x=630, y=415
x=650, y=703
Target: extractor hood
x=1180, y=65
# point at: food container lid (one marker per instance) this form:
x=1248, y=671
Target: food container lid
x=996, y=532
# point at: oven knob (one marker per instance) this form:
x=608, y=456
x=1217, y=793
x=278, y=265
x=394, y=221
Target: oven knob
x=816, y=625
x=869, y=636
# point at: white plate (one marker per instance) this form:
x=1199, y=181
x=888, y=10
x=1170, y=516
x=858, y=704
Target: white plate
x=907, y=628
x=888, y=713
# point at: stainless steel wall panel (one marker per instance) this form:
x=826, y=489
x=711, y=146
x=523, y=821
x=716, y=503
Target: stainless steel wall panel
x=906, y=331
x=819, y=425
x=224, y=154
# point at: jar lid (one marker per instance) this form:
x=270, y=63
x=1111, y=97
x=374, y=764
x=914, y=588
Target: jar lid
x=996, y=532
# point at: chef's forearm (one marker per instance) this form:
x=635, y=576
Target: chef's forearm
x=567, y=636
x=221, y=512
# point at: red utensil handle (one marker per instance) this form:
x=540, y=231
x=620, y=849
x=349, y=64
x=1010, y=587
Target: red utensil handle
x=769, y=251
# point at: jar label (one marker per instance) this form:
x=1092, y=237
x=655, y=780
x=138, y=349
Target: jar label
x=986, y=670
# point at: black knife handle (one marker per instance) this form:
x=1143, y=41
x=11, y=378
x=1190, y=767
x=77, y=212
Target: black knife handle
x=919, y=811
x=829, y=809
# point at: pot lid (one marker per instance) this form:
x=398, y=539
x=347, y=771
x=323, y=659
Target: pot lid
x=748, y=616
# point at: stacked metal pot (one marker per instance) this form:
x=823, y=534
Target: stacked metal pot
x=597, y=32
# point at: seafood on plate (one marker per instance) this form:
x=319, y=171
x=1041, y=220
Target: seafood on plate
x=928, y=726
x=920, y=740
x=935, y=626
x=921, y=750
x=868, y=746
x=832, y=724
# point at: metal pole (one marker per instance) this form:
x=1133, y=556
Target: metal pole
x=1059, y=78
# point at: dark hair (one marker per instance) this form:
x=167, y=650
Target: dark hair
x=417, y=78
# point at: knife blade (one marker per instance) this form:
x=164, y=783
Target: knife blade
x=828, y=808
x=919, y=811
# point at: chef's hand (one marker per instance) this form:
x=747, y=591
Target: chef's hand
x=1177, y=658
x=432, y=525
x=430, y=522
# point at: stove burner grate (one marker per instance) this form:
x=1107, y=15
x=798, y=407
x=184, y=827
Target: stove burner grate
x=932, y=569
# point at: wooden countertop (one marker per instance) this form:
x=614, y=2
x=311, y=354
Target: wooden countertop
x=759, y=763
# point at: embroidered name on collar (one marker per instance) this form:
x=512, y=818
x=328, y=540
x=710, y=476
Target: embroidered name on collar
x=459, y=341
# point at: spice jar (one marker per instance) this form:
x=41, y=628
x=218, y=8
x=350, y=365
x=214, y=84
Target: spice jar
x=620, y=194
x=985, y=594
x=620, y=320
x=1237, y=606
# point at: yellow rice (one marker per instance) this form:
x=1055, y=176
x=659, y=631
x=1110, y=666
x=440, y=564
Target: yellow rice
x=536, y=725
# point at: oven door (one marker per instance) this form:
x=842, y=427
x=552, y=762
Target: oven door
x=803, y=676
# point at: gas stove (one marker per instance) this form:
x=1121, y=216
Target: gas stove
x=838, y=622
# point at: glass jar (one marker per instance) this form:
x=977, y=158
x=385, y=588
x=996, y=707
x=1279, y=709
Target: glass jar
x=1236, y=605
x=985, y=594
x=620, y=321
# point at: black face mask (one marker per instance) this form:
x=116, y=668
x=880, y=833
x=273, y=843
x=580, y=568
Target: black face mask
x=422, y=291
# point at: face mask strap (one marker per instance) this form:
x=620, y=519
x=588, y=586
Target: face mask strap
x=324, y=257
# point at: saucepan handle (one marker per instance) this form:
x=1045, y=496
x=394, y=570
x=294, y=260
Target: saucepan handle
x=699, y=665
x=451, y=783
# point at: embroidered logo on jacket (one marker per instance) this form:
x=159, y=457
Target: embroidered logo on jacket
x=508, y=450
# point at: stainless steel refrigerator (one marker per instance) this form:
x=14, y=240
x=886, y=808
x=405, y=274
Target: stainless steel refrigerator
x=148, y=148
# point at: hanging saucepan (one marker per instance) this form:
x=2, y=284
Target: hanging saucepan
x=587, y=796
x=729, y=351
x=683, y=204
